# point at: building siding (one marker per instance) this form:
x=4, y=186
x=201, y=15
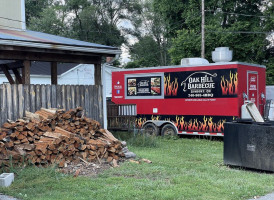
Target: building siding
x=82, y=74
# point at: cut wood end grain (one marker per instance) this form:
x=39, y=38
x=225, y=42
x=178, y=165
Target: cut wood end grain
x=58, y=136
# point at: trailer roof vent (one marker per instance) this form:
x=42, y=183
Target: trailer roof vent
x=222, y=54
x=194, y=61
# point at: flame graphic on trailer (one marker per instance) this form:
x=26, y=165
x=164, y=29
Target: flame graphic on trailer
x=170, y=88
x=230, y=87
x=186, y=123
x=196, y=99
x=207, y=125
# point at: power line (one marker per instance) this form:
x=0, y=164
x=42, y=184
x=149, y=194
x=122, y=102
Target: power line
x=247, y=15
x=245, y=32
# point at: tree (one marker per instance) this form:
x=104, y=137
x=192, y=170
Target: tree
x=145, y=53
x=149, y=30
x=99, y=20
x=237, y=24
x=270, y=67
x=130, y=65
x=269, y=13
x=89, y=20
x=49, y=22
x=34, y=8
x=171, y=12
x=87, y=25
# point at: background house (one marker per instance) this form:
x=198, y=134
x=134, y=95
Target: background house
x=67, y=73
x=269, y=92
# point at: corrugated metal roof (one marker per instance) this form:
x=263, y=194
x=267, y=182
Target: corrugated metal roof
x=31, y=38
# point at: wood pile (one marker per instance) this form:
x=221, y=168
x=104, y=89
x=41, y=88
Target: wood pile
x=56, y=136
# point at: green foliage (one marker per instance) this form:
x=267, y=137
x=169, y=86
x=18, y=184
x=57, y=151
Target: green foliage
x=166, y=30
x=116, y=63
x=131, y=65
x=145, y=52
x=88, y=20
x=149, y=29
x=269, y=13
x=171, y=11
x=270, y=69
x=187, y=44
x=48, y=22
x=34, y=8
x=92, y=22
x=239, y=25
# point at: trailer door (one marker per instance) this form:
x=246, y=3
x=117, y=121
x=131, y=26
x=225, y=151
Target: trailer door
x=252, y=87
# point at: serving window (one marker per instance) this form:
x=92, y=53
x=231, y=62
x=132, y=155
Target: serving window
x=144, y=86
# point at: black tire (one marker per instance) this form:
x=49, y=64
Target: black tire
x=151, y=129
x=168, y=130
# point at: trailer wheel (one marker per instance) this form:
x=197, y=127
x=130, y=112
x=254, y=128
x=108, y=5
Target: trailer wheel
x=168, y=130
x=151, y=129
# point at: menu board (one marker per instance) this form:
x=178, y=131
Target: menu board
x=144, y=86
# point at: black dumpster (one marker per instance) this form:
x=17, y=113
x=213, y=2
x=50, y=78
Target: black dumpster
x=249, y=144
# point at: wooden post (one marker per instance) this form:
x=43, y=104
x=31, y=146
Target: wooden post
x=54, y=73
x=26, y=72
x=17, y=76
x=203, y=30
x=5, y=69
x=98, y=74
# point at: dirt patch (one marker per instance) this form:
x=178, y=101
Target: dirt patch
x=87, y=169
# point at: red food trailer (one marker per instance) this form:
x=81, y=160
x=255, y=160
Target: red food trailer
x=190, y=99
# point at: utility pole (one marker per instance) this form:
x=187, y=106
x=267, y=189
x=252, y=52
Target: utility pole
x=203, y=30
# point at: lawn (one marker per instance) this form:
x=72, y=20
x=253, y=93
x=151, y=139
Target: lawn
x=181, y=169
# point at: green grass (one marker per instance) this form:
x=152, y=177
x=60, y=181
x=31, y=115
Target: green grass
x=181, y=169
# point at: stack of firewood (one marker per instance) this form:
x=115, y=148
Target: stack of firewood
x=55, y=136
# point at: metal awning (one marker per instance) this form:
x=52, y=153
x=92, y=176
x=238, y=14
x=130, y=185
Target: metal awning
x=33, y=39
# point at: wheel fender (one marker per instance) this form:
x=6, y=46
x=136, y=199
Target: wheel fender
x=161, y=123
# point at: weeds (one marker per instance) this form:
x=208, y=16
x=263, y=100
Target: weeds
x=142, y=140
x=138, y=140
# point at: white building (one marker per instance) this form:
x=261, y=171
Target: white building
x=270, y=92
x=68, y=74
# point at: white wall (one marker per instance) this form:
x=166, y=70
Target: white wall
x=82, y=74
x=269, y=92
x=34, y=79
x=12, y=13
x=40, y=79
x=3, y=79
x=108, y=80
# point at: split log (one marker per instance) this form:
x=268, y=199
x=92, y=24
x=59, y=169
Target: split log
x=57, y=136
